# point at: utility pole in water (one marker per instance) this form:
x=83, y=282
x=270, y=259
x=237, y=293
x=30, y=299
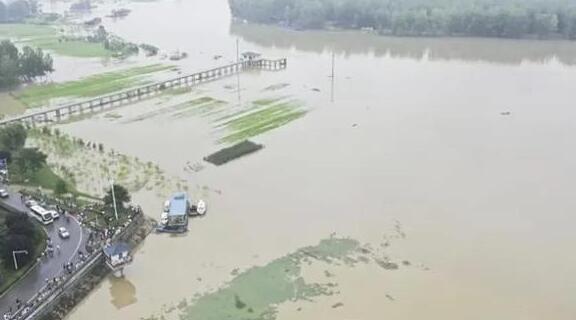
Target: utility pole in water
x=238, y=73
x=332, y=76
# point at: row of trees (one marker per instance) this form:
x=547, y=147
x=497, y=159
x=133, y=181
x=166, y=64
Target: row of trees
x=487, y=18
x=23, y=162
x=19, y=233
x=22, y=65
x=17, y=10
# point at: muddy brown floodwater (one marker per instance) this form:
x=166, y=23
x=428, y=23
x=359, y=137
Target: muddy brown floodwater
x=454, y=156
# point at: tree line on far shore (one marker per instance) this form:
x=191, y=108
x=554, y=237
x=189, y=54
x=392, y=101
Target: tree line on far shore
x=483, y=18
x=17, y=10
x=26, y=64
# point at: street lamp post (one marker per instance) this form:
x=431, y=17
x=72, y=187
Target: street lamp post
x=114, y=199
x=14, y=256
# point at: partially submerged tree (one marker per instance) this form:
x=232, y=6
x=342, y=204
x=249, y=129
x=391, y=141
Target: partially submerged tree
x=22, y=65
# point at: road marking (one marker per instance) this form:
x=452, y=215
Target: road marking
x=79, y=242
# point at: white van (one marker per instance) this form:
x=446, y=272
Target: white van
x=43, y=216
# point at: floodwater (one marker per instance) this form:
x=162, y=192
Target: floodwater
x=464, y=143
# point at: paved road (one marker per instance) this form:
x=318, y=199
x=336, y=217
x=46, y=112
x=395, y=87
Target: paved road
x=48, y=268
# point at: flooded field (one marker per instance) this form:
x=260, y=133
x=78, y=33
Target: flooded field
x=432, y=179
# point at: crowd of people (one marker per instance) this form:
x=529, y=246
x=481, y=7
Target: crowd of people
x=98, y=237
x=52, y=285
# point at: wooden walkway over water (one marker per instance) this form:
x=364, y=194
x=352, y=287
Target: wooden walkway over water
x=116, y=99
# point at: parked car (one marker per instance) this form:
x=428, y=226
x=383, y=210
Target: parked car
x=54, y=213
x=4, y=193
x=31, y=203
x=63, y=233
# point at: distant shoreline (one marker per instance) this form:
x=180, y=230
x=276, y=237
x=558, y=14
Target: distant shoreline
x=371, y=31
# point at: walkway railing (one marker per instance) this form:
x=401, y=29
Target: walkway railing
x=118, y=98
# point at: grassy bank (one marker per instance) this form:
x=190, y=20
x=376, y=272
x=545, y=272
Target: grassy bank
x=88, y=87
x=45, y=178
x=9, y=275
x=87, y=166
x=48, y=37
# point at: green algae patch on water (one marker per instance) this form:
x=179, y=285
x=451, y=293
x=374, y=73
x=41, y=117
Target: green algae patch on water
x=255, y=293
x=89, y=87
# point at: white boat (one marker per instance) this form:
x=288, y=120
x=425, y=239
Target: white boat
x=164, y=214
x=164, y=218
x=201, y=207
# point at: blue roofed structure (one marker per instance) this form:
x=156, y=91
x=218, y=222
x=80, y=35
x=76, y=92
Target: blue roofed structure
x=178, y=205
x=178, y=210
x=117, y=254
x=117, y=249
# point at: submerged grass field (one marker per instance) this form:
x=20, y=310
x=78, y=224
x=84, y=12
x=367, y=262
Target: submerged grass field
x=233, y=123
x=91, y=86
x=47, y=37
x=263, y=117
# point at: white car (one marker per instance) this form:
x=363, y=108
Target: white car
x=4, y=193
x=31, y=203
x=63, y=233
x=55, y=214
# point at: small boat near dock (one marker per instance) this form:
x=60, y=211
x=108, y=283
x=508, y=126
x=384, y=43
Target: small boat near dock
x=177, y=55
x=119, y=13
x=201, y=208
